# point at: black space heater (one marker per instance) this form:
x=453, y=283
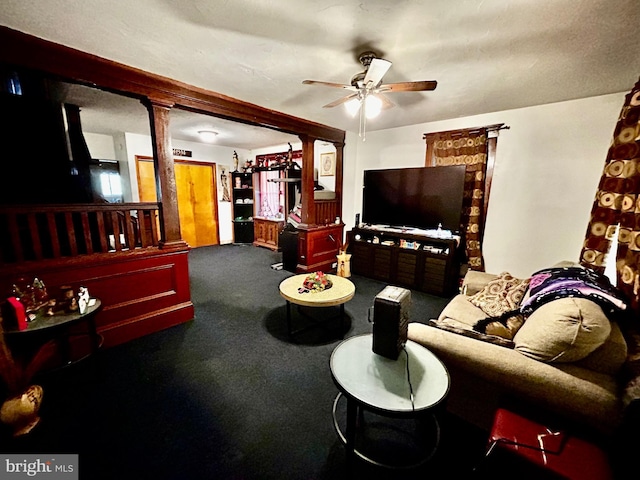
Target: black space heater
x=390, y=321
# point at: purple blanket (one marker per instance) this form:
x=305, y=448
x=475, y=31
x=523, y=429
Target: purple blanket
x=554, y=283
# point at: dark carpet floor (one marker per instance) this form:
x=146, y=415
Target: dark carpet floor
x=227, y=395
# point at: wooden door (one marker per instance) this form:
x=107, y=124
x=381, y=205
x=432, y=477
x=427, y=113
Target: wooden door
x=197, y=202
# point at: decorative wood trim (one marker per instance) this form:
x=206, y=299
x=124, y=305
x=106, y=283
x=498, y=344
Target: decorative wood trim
x=75, y=65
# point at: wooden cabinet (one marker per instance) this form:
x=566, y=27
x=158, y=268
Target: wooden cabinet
x=242, y=207
x=433, y=267
x=318, y=247
x=266, y=232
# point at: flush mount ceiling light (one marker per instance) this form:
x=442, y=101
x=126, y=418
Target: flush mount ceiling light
x=207, y=135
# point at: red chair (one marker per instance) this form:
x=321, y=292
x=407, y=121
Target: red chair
x=558, y=453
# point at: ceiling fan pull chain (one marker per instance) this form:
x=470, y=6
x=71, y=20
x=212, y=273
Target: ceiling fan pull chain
x=363, y=118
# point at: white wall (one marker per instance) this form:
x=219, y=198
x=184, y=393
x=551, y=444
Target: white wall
x=547, y=170
x=100, y=146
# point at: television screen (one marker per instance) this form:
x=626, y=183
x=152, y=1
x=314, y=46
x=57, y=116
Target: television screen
x=420, y=197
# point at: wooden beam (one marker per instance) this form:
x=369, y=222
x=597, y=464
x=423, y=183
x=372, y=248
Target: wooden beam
x=24, y=50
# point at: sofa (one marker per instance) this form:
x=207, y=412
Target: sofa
x=567, y=361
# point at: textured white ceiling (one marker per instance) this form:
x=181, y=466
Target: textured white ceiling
x=489, y=55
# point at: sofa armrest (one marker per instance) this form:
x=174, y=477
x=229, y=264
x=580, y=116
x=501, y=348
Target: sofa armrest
x=475, y=281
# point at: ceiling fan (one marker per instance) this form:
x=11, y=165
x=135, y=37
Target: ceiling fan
x=368, y=90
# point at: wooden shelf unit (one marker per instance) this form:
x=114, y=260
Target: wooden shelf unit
x=242, y=207
x=433, y=268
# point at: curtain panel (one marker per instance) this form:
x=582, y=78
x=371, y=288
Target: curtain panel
x=617, y=202
x=469, y=149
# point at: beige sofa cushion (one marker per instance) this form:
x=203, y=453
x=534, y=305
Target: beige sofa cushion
x=609, y=357
x=563, y=330
x=461, y=310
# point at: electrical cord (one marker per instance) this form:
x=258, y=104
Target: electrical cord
x=413, y=406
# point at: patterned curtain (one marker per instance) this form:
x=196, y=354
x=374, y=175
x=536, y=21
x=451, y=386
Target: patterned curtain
x=470, y=149
x=617, y=202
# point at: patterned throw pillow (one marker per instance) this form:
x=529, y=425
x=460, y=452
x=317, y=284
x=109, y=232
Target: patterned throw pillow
x=501, y=295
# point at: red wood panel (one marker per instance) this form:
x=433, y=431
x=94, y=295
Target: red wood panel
x=140, y=293
x=318, y=247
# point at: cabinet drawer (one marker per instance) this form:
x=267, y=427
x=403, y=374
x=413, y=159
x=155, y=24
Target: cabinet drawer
x=406, y=268
x=382, y=263
x=361, y=263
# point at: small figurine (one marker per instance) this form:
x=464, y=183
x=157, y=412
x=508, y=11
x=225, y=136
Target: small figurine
x=225, y=187
x=290, y=156
x=83, y=299
x=235, y=161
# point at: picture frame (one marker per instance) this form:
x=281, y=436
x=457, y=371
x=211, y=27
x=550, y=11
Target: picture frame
x=328, y=164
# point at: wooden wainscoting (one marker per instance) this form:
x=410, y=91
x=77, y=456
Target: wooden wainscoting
x=142, y=291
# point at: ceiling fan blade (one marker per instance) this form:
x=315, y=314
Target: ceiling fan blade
x=340, y=101
x=409, y=86
x=376, y=71
x=386, y=103
x=329, y=84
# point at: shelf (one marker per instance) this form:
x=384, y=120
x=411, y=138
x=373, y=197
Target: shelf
x=284, y=180
x=242, y=224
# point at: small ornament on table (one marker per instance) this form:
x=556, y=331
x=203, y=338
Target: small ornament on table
x=69, y=302
x=83, y=299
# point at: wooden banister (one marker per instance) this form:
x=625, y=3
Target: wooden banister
x=39, y=232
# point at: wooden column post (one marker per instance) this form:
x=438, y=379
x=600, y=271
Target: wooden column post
x=339, y=175
x=165, y=174
x=308, y=216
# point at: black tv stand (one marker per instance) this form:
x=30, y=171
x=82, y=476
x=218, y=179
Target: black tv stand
x=407, y=259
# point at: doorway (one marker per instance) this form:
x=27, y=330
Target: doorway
x=197, y=201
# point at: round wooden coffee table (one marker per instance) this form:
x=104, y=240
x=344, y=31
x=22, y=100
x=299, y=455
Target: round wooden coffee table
x=341, y=292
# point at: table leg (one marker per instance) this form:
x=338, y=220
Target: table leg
x=342, y=319
x=352, y=415
x=289, y=318
x=94, y=338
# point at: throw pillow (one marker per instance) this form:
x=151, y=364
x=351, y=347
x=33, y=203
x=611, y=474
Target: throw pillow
x=501, y=295
x=564, y=330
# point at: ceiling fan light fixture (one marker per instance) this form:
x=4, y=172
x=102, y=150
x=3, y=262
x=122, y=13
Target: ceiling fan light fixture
x=373, y=106
x=207, y=135
x=352, y=106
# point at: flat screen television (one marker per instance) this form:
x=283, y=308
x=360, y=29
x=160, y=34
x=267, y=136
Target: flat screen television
x=420, y=197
